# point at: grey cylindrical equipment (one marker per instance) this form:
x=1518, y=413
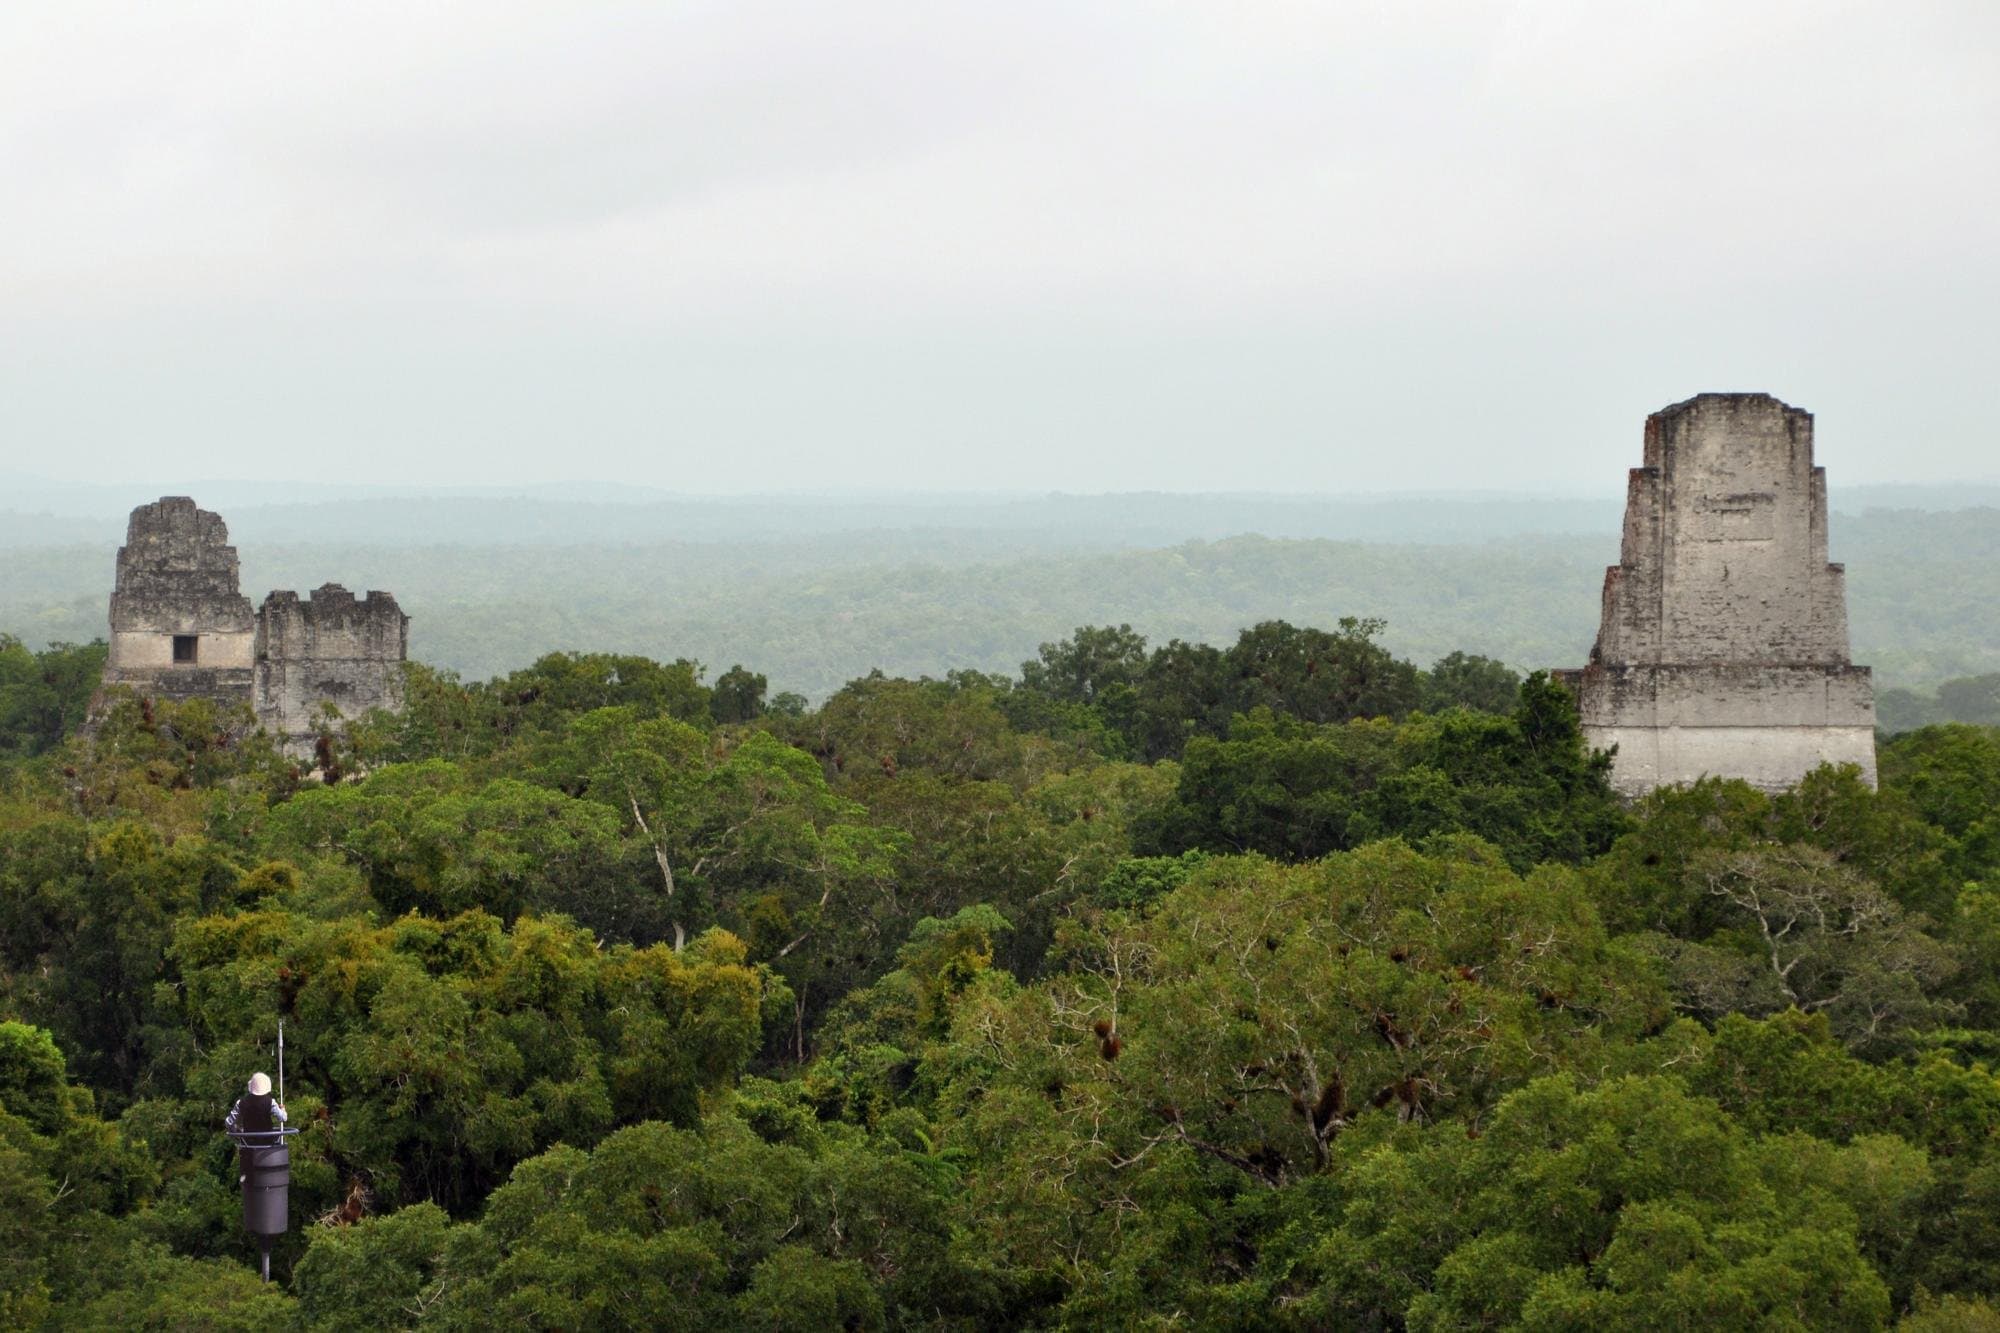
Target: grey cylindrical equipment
x=267, y=1187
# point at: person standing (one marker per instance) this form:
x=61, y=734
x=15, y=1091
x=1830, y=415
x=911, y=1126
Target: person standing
x=257, y=1123
x=257, y=1115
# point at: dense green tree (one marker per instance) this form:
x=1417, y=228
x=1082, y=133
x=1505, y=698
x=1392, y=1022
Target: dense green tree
x=1467, y=680
x=64, y=1174
x=1802, y=931
x=663, y=1227
x=1084, y=667
x=146, y=751
x=1791, y=1072
x=747, y=832
x=1525, y=781
x=442, y=718
x=1648, y=882
x=881, y=725
x=1277, y=786
x=1155, y=705
x=87, y=915
x=387, y=1272
x=446, y=718
x=563, y=685
x=1950, y=777
x=1188, y=692
x=1758, y=903
x=875, y=1039
x=738, y=696
x=149, y=1288
x=1292, y=789
x=432, y=1055
x=44, y=695
x=431, y=839
x=1319, y=675
x=1628, y=1205
x=1229, y=1039
x=1029, y=855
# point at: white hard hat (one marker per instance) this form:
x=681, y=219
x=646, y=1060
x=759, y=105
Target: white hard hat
x=260, y=1083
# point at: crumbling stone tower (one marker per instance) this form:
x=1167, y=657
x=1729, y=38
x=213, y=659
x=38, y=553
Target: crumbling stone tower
x=332, y=648
x=181, y=629
x=1723, y=646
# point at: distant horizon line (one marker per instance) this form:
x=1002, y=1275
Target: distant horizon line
x=625, y=494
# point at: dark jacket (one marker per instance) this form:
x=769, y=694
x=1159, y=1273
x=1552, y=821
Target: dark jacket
x=254, y=1116
x=253, y=1111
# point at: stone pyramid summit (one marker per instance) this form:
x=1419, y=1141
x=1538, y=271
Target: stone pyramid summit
x=1723, y=645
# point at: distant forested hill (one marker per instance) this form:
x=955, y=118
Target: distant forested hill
x=36, y=513
x=821, y=608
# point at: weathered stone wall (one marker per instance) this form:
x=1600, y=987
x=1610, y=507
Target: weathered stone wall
x=1723, y=645
x=331, y=649
x=1767, y=723
x=177, y=579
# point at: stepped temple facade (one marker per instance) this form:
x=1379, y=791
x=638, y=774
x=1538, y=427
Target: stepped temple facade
x=1723, y=645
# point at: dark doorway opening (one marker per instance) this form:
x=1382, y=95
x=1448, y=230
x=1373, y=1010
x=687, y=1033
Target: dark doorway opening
x=184, y=645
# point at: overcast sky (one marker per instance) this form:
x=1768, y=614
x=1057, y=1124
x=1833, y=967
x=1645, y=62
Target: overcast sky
x=1070, y=246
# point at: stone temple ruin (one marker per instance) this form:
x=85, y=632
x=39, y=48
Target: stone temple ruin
x=1723, y=647
x=181, y=629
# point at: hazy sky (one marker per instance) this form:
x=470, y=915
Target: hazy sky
x=1077, y=245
